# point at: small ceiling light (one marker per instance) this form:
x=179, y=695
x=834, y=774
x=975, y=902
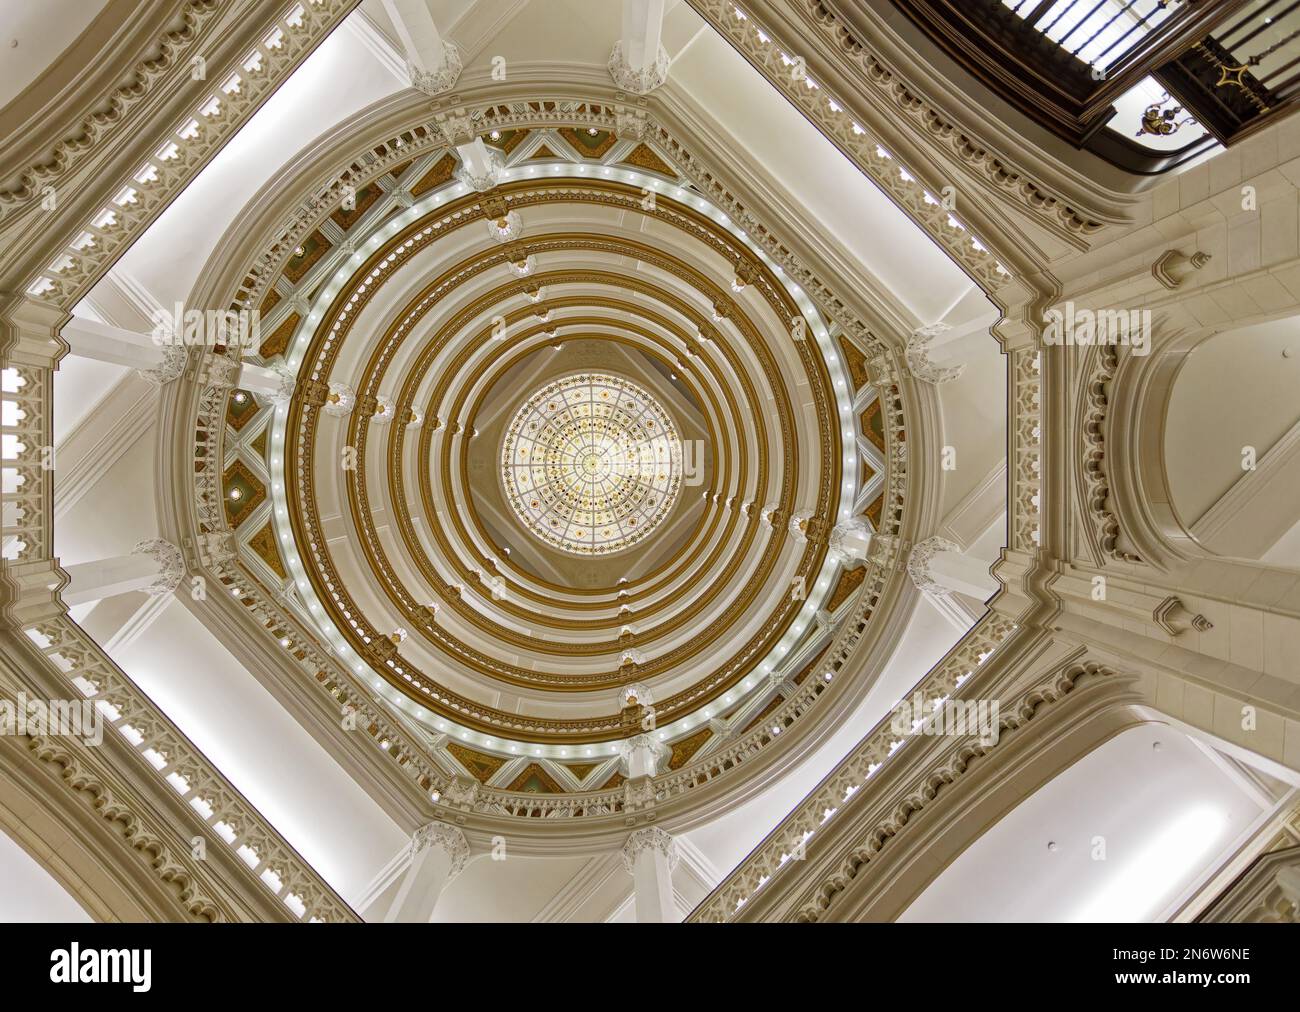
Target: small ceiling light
x=298, y=251
x=495, y=135
x=592, y=131
x=236, y=494
x=240, y=397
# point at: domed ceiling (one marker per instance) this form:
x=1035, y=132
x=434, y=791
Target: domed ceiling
x=569, y=439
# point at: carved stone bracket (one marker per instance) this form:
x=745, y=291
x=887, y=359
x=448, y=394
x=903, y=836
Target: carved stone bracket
x=175, y=358
x=918, y=564
x=918, y=356
x=1173, y=267
x=1175, y=619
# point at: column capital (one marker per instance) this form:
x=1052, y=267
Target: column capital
x=444, y=78
x=650, y=839
x=642, y=753
x=484, y=175
x=850, y=542
x=918, y=564
x=278, y=382
x=446, y=838
x=171, y=565
x=175, y=357
x=638, y=81
x=919, y=360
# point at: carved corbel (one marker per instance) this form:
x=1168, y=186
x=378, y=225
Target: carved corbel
x=1173, y=268
x=1175, y=619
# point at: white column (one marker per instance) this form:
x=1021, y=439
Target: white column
x=650, y=855
x=639, y=62
x=158, y=363
x=939, y=567
x=938, y=353
x=850, y=542
x=273, y=383
x=432, y=62
x=480, y=166
x=642, y=755
x=438, y=853
x=155, y=566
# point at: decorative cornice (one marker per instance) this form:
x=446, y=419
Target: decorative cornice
x=1096, y=490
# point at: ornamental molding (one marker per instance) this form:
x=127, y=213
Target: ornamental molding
x=1025, y=457
x=877, y=748
x=150, y=187
x=918, y=356
x=171, y=564
x=170, y=861
x=1105, y=528
x=185, y=774
x=435, y=82
x=918, y=564
x=652, y=839
x=638, y=82
x=765, y=50
x=448, y=839
x=1056, y=214
x=97, y=129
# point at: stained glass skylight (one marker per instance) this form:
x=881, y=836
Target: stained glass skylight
x=591, y=463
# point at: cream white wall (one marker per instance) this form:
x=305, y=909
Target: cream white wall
x=1135, y=828
x=30, y=894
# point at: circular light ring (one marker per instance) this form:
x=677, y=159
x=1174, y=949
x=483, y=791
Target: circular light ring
x=820, y=332
x=591, y=464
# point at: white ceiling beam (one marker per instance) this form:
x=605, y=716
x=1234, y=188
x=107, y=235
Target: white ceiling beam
x=433, y=62
x=155, y=566
x=639, y=62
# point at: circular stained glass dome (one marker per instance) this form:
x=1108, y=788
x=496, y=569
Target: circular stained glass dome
x=591, y=464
